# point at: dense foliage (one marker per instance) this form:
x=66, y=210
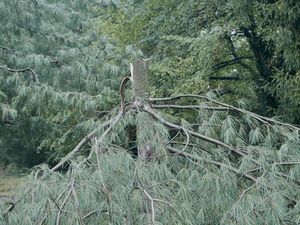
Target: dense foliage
x=205, y=162
x=230, y=167
x=58, y=75
x=244, y=50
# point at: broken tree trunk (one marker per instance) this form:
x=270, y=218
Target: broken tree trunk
x=140, y=84
x=139, y=75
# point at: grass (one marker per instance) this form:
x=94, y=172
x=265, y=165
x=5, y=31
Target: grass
x=8, y=182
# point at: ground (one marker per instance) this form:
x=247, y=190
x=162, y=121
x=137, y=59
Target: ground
x=8, y=182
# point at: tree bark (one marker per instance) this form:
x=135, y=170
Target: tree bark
x=139, y=75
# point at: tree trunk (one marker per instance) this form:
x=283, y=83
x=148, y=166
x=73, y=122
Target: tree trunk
x=139, y=75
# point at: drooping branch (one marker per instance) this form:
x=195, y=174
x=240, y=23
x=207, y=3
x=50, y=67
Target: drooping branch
x=260, y=118
x=197, y=107
x=193, y=133
x=111, y=123
x=27, y=69
x=198, y=159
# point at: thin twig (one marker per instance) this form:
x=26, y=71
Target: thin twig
x=92, y=213
x=152, y=206
x=63, y=205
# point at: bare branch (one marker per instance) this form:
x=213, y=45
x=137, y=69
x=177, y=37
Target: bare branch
x=198, y=107
x=229, y=62
x=27, y=69
x=8, y=122
x=63, y=205
x=7, y=49
x=122, y=90
x=224, y=78
x=152, y=206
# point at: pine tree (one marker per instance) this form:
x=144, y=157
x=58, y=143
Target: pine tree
x=55, y=76
x=226, y=166
x=182, y=159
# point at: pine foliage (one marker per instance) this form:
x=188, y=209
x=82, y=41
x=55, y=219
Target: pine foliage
x=227, y=166
x=56, y=69
x=61, y=64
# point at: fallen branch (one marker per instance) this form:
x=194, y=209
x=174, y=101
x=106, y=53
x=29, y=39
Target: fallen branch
x=195, y=134
x=85, y=140
x=112, y=123
x=198, y=159
x=262, y=119
x=63, y=205
x=197, y=107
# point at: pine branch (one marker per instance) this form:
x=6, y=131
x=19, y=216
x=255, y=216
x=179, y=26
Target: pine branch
x=76, y=149
x=111, y=123
x=195, y=134
x=7, y=49
x=198, y=159
x=27, y=69
x=260, y=118
x=63, y=204
x=224, y=78
x=197, y=107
